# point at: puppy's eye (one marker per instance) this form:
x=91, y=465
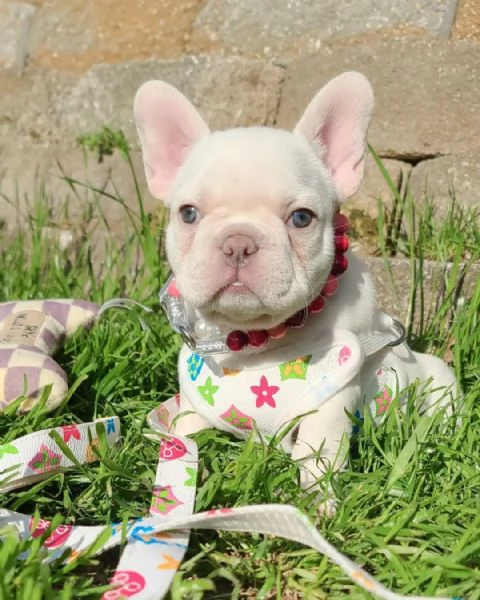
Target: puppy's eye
x=189, y=214
x=301, y=218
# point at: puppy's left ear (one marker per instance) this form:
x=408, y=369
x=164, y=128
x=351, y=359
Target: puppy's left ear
x=336, y=123
x=168, y=126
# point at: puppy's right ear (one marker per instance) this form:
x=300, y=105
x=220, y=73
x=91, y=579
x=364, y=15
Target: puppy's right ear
x=168, y=126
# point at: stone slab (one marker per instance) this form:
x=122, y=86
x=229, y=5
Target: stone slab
x=37, y=174
x=374, y=187
x=394, y=299
x=63, y=27
x=15, y=24
x=374, y=193
x=438, y=178
x=13, y=98
x=427, y=93
x=27, y=106
x=286, y=27
x=227, y=91
x=105, y=249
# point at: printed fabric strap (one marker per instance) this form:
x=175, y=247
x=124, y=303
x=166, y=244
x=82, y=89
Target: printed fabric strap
x=390, y=332
x=157, y=543
x=37, y=455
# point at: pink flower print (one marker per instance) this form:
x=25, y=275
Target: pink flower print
x=219, y=511
x=237, y=418
x=45, y=460
x=164, y=500
x=383, y=400
x=57, y=537
x=171, y=449
x=70, y=431
x=264, y=393
x=344, y=355
x=127, y=583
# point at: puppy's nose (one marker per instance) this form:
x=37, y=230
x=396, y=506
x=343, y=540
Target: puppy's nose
x=238, y=249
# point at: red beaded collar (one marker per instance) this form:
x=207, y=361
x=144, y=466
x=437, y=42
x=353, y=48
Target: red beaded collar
x=238, y=340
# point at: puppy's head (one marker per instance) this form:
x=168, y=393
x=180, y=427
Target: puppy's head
x=250, y=238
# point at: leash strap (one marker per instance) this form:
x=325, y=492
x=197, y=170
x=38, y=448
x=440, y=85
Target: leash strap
x=155, y=544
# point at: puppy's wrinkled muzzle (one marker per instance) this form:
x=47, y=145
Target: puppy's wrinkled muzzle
x=238, y=249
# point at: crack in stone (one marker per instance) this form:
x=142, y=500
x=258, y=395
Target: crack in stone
x=412, y=159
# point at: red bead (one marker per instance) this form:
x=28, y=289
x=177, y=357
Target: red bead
x=331, y=286
x=340, y=224
x=298, y=319
x=258, y=338
x=317, y=305
x=341, y=243
x=237, y=340
x=277, y=332
x=172, y=289
x=340, y=264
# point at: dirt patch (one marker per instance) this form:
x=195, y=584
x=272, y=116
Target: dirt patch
x=77, y=35
x=33, y=2
x=467, y=24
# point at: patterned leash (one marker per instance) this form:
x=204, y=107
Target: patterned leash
x=157, y=543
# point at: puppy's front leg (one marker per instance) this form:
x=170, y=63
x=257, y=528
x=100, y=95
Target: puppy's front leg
x=188, y=421
x=327, y=430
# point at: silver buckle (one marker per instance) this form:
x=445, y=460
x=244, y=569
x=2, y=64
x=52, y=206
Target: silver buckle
x=402, y=334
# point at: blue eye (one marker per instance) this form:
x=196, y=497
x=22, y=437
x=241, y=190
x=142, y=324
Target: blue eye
x=301, y=218
x=189, y=214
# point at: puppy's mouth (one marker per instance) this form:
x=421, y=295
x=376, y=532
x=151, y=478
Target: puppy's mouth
x=236, y=288
x=236, y=304
x=236, y=297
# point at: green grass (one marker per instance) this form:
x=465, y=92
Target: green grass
x=409, y=503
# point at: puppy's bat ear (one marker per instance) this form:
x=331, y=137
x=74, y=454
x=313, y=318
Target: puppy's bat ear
x=168, y=126
x=336, y=124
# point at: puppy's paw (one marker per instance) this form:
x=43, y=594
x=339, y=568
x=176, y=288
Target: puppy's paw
x=327, y=507
x=322, y=498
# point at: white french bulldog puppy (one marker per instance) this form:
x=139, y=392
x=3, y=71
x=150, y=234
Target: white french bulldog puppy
x=257, y=247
